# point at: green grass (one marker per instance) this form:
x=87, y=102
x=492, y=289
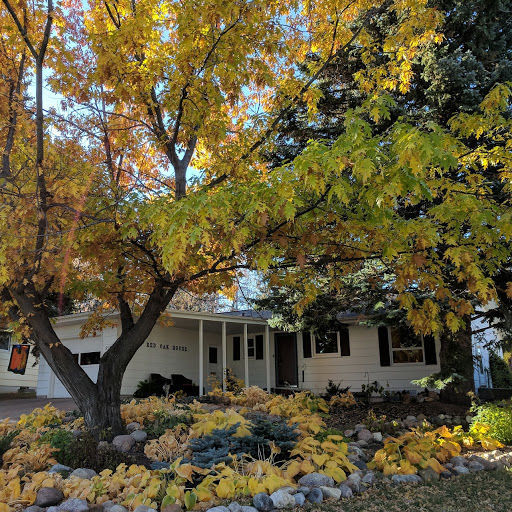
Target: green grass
x=483, y=492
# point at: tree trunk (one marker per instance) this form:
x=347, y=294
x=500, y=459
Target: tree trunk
x=456, y=357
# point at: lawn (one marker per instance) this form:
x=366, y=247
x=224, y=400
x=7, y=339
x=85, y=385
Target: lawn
x=489, y=491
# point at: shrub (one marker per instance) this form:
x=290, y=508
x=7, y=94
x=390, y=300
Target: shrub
x=498, y=416
x=164, y=421
x=500, y=371
x=333, y=389
x=61, y=440
x=5, y=442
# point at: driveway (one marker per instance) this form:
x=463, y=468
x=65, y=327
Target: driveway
x=15, y=407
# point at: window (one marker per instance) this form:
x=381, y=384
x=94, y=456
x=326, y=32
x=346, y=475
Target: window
x=75, y=357
x=212, y=355
x=326, y=343
x=406, y=347
x=236, y=348
x=259, y=346
x=89, y=358
x=306, y=344
x=5, y=340
x=344, y=342
x=250, y=348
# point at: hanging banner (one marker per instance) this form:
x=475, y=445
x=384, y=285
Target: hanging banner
x=19, y=358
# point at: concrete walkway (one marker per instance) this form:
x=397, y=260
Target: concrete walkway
x=13, y=408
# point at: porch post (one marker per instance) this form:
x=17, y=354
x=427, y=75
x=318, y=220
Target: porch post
x=201, y=359
x=246, y=357
x=224, y=358
x=267, y=355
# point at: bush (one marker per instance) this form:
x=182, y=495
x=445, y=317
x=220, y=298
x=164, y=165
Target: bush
x=498, y=416
x=333, y=389
x=164, y=421
x=5, y=442
x=60, y=439
x=500, y=371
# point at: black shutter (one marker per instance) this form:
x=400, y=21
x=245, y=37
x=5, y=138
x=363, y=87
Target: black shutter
x=236, y=348
x=429, y=344
x=384, y=347
x=344, y=342
x=306, y=344
x=259, y=346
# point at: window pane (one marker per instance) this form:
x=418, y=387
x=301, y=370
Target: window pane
x=403, y=337
x=259, y=346
x=326, y=343
x=344, y=342
x=408, y=356
x=250, y=348
x=212, y=355
x=5, y=338
x=306, y=344
x=236, y=348
x=89, y=358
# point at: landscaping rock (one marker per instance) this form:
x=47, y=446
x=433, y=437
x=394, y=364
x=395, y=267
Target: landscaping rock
x=489, y=465
x=282, y=499
x=107, y=505
x=220, y=508
x=348, y=433
x=131, y=427
x=362, y=443
x=47, y=496
x=34, y=508
x=346, y=491
x=261, y=501
x=144, y=508
x=315, y=496
x=233, y=507
x=458, y=461
x=74, y=505
x=55, y=508
x=364, y=435
x=300, y=499
x=377, y=436
x=316, y=480
x=123, y=443
x=460, y=470
x=247, y=508
x=304, y=490
x=360, y=465
x=359, y=426
x=406, y=479
x=446, y=475
x=368, y=479
x=84, y=473
x=139, y=435
x=428, y=475
x=61, y=469
x=172, y=507
x=475, y=466
x=330, y=493
x=289, y=489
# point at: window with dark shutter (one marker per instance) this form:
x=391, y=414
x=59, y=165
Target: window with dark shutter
x=429, y=345
x=236, y=348
x=306, y=344
x=344, y=342
x=259, y=346
x=384, y=346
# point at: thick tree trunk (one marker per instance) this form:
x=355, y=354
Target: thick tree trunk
x=456, y=357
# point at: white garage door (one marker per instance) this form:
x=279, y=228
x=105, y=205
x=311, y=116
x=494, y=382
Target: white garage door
x=88, y=361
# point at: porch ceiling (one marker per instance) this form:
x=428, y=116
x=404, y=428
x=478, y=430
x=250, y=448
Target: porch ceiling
x=216, y=326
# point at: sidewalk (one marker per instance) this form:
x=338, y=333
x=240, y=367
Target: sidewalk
x=15, y=407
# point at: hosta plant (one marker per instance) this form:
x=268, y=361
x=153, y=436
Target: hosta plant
x=344, y=400
x=40, y=417
x=207, y=422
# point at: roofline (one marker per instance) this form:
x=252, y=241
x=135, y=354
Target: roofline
x=173, y=313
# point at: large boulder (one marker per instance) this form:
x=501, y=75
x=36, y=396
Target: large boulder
x=48, y=496
x=123, y=443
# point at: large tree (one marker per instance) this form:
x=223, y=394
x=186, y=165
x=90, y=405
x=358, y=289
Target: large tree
x=152, y=176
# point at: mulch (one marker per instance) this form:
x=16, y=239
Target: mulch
x=343, y=418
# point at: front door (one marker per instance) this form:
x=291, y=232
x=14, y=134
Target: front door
x=286, y=359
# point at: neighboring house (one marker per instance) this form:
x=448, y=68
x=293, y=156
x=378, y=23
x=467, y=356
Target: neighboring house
x=11, y=382
x=200, y=345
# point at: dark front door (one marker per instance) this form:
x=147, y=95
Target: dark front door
x=286, y=359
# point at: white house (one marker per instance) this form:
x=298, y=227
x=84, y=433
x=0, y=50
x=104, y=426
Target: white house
x=199, y=345
x=11, y=382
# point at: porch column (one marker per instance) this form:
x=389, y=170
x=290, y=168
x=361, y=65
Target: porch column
x=224, y=356
x=201, y=359
x=267, y=355
x=246, y=357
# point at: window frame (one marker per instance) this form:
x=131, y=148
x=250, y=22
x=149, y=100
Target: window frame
x=9, y=340
x=328, y=354
x=408, y=363
x=253, y=339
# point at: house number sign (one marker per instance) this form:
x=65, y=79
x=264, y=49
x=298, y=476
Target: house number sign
x=180, y=348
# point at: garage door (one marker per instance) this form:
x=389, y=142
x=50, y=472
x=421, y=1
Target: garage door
x=89, y=362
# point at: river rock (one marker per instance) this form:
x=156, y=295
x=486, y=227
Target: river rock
x=475, y=466
x=123, y=443
x=315, y=496
x=458, y=461
x=139, y=435
x=377, y=436
x=460, y=470
x=346, y=491
x=84, y=473
x=282, y=499
x=219, y=508
x=61, y=469
x=316, y=480
x=368, y=479
x=364, y=435
x=262, y=502
x=48, y=496
x=300, y=499
x=144, y=508
x=360, y=465
x=330, y=493
x=74, y=505
x=428, y=475
x=131, y=427
x=406, y=479
x=34, y=508
x=248, y=508
x=172, y=507
x=233, y=507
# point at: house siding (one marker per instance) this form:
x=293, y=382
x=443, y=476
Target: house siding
x=10, y=382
